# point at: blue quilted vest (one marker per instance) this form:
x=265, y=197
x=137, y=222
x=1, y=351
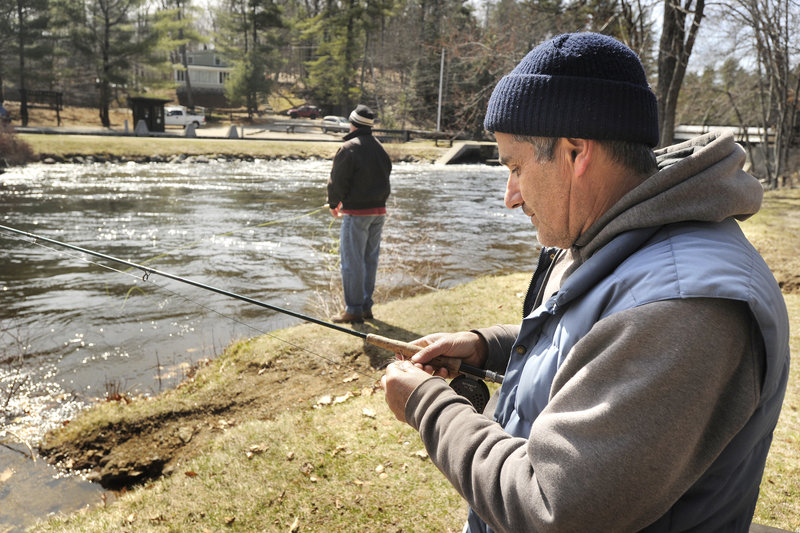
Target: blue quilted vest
x=645, y=266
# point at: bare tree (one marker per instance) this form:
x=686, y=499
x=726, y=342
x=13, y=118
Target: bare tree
x=678, y=35
x=770, y=24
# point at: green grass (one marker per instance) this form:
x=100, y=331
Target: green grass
x=133, y=147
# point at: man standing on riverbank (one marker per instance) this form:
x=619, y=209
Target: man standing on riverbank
x=643, y=386
x=357, y=191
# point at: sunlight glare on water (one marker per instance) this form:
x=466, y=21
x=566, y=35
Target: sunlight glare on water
x=74, y=327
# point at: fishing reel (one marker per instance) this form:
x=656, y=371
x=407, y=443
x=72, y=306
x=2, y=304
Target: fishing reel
x=474, y=390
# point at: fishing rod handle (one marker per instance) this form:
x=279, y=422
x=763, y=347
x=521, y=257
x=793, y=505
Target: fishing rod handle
x=407, y=350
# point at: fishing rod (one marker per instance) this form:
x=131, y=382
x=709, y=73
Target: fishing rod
x=406, y=349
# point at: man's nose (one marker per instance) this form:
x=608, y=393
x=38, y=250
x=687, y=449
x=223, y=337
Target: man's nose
x=513, y=198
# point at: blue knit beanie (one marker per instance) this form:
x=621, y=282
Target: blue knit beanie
x=582, y=85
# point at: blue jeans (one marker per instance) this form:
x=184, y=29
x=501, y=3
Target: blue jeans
x=360, y=246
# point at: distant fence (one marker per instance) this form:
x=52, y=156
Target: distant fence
x=38, y=99
x=384, y=135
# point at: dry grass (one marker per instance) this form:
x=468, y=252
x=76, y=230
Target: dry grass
x=775, y=231
x=133, y=147
x=70, y=116
x=325, y=459
x=345, y=464
x=779, y=502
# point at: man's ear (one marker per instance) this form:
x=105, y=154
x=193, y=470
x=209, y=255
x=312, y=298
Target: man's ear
x=581, y=152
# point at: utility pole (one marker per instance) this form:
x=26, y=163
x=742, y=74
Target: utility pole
x=439, y=109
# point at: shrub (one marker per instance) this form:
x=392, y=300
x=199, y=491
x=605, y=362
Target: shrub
x=13, y=150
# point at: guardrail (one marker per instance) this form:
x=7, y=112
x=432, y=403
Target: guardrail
x=684, y=132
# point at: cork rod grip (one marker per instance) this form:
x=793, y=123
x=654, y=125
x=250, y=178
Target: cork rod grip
x=407, y=350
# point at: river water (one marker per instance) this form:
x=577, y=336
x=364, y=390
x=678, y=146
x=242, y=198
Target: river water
x=74, y=328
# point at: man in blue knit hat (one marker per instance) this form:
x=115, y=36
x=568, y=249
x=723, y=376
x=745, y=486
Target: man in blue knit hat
x=643, y=385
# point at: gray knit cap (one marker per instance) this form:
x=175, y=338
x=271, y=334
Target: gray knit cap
x=362, y=116
x=583, y=85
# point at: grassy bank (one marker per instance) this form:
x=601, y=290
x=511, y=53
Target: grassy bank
x=287, y=432
x=135, y=147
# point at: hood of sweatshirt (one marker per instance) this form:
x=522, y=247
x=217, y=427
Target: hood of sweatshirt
x=698, y=180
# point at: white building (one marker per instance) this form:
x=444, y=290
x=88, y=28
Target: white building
x=207, y=73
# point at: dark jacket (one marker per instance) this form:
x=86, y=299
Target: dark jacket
x=360, y=174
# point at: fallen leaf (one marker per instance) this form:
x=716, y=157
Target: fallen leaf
x=5, y=475
x=352, y=378
x=229, y=520
x=369, y=413
x=422, y=454
x=295, y=527
x=191, y=473
x=342, y=399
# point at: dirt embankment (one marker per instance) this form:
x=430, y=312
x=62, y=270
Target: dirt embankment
x=135, y=443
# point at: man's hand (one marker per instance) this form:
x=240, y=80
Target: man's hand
x=336, y=213
x=399, y=381
x=466, y=345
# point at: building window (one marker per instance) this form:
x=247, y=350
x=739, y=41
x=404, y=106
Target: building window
x=180, y=75
x=223, y=76
x=217, y=61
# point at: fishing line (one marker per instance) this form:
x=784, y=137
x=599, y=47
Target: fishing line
x=403, y=348
x=197, y=303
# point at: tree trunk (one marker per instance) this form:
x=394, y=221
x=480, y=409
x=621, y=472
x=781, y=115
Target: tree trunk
x=23, y=92
x=348, y=52
x=185, y=62
x=105, y=90
x=674, y=51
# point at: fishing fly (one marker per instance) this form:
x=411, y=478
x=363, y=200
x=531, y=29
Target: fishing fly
x=469, y=387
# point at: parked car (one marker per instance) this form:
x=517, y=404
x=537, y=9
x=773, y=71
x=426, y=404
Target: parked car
x=334, y=123
x=180, y=116
x=305, y=111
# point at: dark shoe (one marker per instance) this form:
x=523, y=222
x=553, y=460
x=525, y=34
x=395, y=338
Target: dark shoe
x=368, y=315
x=344, y=316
